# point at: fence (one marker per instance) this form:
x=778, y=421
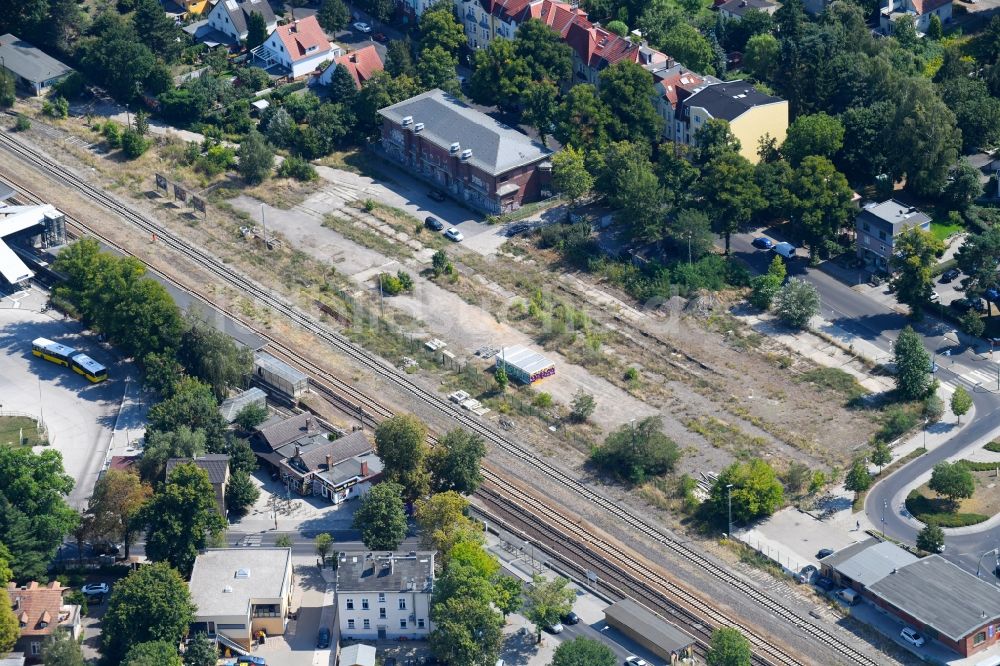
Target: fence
x=41, y=428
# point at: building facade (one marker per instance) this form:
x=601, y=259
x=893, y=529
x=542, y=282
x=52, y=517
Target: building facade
x=298, y=48
x=920, y=10
x=879, y=224
x=465, y=153
x=231, y=17
x=40, y=612
x=384, y=595
x=33, y=70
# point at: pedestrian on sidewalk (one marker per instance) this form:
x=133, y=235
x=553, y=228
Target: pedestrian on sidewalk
x=857, y=527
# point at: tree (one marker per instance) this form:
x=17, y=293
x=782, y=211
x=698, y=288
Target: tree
x=158, y=30
x=454, y=464
x=399, y=58
x=283, y=541
x=400, y=442
x=380, y=10
x=150, y=604
x=924, y=139
x=251, y=416
x=691, y=230
x=507, y=592
x=583, y=651
x=192, y=405
x=729, y=192
x=499, y=75
x=934, y=29
x=796, y=303
x=689, y=47
x=181, y=518
x=817, y=134
x=631, y=185
x=979, y=259
x=964, y=186
x=547, y=601
x=500, y=377
x=570, y=176
x=821, y=202
x=60, y=649
x=539, y=107
x=34, y=515
x=201, y=651
x=756, y=491
x=118, y=497
x=930, y=539
x=977, y=112
x=381, y=518
x=436, y=69
x=728, y=647
x=881, y=455
x=152, y=653
x=858, y=480
x=342, y=86
x=162, y=446
x=10, y=628
x=763, y=289
x=438, y=27
x=617, y=27
x=333, y=15
x=323, y=543
x=637, y=452
x=952, y=480
x=972, y=323
x=582, y=407
x=241, y=493
x=215, y=358
x=961, y=402
x=583, y=119
x=761, y=56
x=913, y=363
x=7, y=93
x=443, y=522
x=256, y=158
x=547, y=57
x=467, y=630
x=257, y=29
x=627, y=90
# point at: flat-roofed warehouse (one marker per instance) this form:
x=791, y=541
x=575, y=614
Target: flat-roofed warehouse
x=649, y=630
x=525, y=365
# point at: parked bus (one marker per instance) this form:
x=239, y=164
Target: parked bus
x=53, y=351
x=89, y=368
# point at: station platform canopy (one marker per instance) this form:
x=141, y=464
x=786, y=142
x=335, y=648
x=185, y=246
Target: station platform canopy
x=12, y=220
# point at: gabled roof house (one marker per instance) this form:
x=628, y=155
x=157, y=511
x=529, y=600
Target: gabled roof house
x=360, y=64
x=296, y=48
x=232, y=17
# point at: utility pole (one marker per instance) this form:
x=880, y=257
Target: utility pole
x=926, y=421
x=729, y=491
x=885, y=505
x=263, y=224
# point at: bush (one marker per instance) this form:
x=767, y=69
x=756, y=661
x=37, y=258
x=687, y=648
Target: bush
x=297, y=168
x=134, y=144
x=993, y=446
x=112, y=133
x=542, y=400
x=632, y=375
x=933, y=512
x=22, y=124
x=216, y=159
x=71, y=87
x=895, y=422
x=57, y=108
x=634, y=453
x=393, y=285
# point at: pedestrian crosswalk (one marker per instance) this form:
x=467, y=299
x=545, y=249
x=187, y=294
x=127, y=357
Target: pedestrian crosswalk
x=985, y=378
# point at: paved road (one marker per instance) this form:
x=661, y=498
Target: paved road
x=876, y=323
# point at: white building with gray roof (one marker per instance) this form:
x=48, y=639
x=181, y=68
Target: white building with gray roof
x=33, y=69
x=384, y=595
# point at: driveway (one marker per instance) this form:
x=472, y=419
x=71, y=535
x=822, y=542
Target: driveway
x=297, y=647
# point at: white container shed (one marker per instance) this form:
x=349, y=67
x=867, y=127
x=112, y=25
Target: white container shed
x=524, y=364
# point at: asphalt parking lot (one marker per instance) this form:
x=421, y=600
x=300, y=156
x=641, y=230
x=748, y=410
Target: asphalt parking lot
x=82, y=418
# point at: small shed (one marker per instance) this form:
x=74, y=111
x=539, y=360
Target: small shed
x=525, y=365
x=278, y=377
x=649, y=630
x=357, y=655
x=33, y=69
x=230, y=407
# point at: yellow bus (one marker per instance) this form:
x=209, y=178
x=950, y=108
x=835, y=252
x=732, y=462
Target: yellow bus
x=53, y=351
x=89, y=368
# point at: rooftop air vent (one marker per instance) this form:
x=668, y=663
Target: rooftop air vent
x=407, y=120
x=455, y=147
x=467, y=153
x=418, y=127
x=242, y=573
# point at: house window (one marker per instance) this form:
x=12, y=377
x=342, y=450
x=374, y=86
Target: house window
x=367, y=623
x=420, y=623
x=697, y=119
x=350, y=624
x=381, y=613
x=402, y=603
x=979, y=638
x=381, y=597
x=350, y=604
x=866, y=227
x=36, y=648
x=364, y=604
x=881, y=235
x=402, y=624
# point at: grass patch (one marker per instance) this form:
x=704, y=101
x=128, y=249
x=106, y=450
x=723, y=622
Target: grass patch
x=524, y=211
x=356, y=161
x=981, y=466
x=20, y=431
x=993, y=446
x=937, y=511
x=941, y=230
x=725, y=436
x=362, y=235
x=836, y=380
x=751, y=557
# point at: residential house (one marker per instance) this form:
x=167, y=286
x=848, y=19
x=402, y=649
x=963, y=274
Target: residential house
x=937, y=598
x=735, y=10
x=296, y=48
x=879, y=224
x=33, y=70
x=40, y=612
x=469, y=155
x=194, y=7
x=674, y=84
x=360, y=64
x=314, y=461
x=920, y=10
x=384, y=595
x=485, y=20
x=231, y=18
x=241, y=591
x=595, y=49
x=751, y=115
x=216, y=465
x=252, y=397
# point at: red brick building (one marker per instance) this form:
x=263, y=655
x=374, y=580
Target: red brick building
x=465, y=153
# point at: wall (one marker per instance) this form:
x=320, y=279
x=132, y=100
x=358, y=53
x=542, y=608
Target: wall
x=417, y=608
x=771, y=119
x=307, y=65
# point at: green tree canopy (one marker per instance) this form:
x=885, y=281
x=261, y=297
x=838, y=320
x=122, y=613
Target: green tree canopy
x=569, y=174
x=582, y=651
x=152, y=653
x=381, y=517
x=913, y=365
x=467, y=630
x=858, y=480
x=438, y=27
x=454, y=462
x=400, y=442
x=201, y=651
x=399, y=58
x=756, y=492
x=256, y=30
x=977, y=112
x=181, y=518
x=631, y=186
x=761, y=56
x=159, y=32
x=796, y=303
x=925, y=139
x=627, y=90
x=192, y=405
x=241, y=493
x=10, y=628
x=213, y=357
x=256, y=158
x=118, y=497
x=729, y=192
x=636, y=452
x=964, y=187
x=690, y=47
x=547, y=57
x=61, y=649
x=499, y=75
x=161, y=446
x=150, y=604
x=547, y=601
x=915, y=253
x=820, y=202
x=728, y=647
x=817, y=134
x=953, y=480
x=436, y=69
x=930, y=539
x=442, y=521
x=583, y=119
x=333, y=15
x=323, y=544
x=961, y=402
x=979, y=259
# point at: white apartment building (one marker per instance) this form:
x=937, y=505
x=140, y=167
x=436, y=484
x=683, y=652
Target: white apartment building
x=385, y=595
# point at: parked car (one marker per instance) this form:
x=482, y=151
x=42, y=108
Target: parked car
x=635, y=661
x=361, y=26
x=950, y=275
x=433, y=224
x=571, y=618
x=806, y=574
x=762, y=243
x=437, y=195
x=96, y=588
x=454, y=234
x=962, y=305
x=251, y=659
x=934, y=297
x=824, y=552
x=824, y=583
x=323, y=638
x=556, y=628
x=911, y=636
x=380, y=37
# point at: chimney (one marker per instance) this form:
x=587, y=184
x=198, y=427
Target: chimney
x=364, y=468
x=329, y=458
x=298, y=451
x=466, y=154
x=309, y=423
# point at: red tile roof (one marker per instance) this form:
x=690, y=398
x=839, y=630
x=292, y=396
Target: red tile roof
x=362, y=64
x=303, y=38
x=35, y=604
x=557, y=15
x=682, y=80
x=123, y=463
x=927, y=6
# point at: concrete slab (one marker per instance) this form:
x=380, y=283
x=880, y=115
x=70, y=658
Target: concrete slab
x=793, y=538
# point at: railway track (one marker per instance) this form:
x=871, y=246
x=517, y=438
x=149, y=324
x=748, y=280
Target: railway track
x=278, y=304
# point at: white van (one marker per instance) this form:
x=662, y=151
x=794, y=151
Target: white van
x=848, y=596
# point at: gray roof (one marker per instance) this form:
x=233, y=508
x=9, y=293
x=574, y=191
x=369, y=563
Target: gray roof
x=29, y=62
x=938, y=593
x=280, y=368
x=218, y=586
x=741, y=7
x=239, y=12
x=6, y=191
x=729, y=100
x=358, y=654
x=496, y=148
x=525, y=358
x=346, y=470
x=869, y=561
x=628, y=613
x=314, y=451
x=278, y=431
x=367, y=571
x=893, y=214
x=216, y=464
x=230, y=407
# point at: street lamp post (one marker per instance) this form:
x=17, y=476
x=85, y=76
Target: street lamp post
x=885, y=505
x=995, y=551
x=729, y=491
x=926, y=421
